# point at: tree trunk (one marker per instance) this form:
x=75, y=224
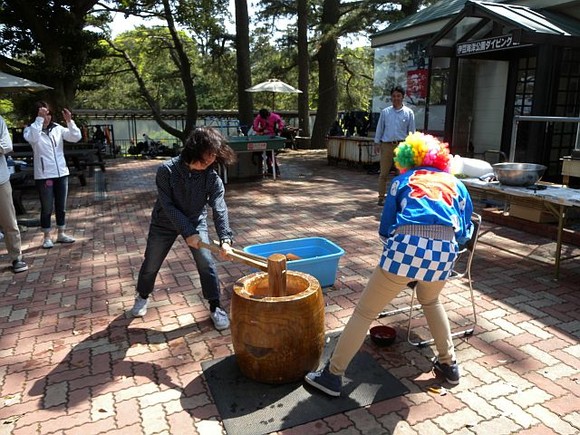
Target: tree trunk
x=245, y=100
x=327, y=89
x=303, y=69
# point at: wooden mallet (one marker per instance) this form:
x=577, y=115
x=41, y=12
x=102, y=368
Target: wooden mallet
x=274, y=266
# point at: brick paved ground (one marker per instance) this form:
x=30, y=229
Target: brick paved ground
x=70, y=365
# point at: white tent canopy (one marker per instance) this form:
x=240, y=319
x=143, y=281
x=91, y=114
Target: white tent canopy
x=10, y=83
x=275, y=86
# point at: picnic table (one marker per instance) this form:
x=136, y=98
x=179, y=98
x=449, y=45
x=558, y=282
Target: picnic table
x=256, y=143
x=552, y=198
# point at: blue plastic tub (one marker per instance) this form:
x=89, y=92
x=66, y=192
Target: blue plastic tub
x=319, y=257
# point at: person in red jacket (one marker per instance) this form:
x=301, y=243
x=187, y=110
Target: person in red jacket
x=268, y=123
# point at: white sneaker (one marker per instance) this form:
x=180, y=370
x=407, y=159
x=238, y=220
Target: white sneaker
x=63, y=238
x=47, y=244
x=140, y=307
x=220, y=319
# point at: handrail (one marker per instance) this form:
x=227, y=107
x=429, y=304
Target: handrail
x=518, y=118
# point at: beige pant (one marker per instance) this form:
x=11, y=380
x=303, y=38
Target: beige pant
x=380, y=291
x=8, y=222
x=386, y=163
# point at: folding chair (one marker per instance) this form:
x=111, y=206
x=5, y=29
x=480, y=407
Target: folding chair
x=461, y=270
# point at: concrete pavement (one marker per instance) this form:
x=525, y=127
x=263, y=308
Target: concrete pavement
x=69, y=364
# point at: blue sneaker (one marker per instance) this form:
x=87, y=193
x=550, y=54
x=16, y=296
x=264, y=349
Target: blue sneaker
x=449, y=371
x=325, y=381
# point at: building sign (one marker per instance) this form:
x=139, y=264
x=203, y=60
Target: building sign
x=486, y=45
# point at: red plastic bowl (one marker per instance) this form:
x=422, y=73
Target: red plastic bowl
x=383, y=335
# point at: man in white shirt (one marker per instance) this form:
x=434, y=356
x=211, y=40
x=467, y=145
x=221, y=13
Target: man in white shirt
x=395, y=123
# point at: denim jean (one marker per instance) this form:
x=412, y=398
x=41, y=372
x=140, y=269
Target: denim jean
x=159, y=242
x=52, y=192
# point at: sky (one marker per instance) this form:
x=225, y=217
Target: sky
x=122, y=24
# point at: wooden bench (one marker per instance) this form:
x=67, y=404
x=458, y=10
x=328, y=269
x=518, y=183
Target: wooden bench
x=21, y=181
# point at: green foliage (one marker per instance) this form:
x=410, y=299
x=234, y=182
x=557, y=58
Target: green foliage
x=47, y=41
x=355, y=78
x=6, y=112
x=111, y=85
x=107, y=82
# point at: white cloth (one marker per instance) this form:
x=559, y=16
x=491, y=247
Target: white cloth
x=5, y=148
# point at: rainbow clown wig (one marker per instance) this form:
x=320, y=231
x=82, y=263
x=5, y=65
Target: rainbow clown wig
x=420, y=149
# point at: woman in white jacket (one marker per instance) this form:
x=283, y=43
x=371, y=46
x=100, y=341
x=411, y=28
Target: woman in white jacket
x=50, y=169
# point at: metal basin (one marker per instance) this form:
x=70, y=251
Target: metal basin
x=518, y=174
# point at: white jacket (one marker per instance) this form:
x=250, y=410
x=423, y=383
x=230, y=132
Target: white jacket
x=48, y=147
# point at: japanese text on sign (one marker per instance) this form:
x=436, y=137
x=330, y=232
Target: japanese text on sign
x=491, y=44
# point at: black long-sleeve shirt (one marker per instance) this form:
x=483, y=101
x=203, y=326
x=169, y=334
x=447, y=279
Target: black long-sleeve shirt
x=183, y=197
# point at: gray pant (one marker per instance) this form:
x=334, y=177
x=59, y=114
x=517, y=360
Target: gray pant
x=8, y=222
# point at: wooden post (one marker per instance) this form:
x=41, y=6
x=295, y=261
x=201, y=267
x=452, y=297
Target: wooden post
x=277, y=274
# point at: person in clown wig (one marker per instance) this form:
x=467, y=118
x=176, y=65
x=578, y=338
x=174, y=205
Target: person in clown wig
x=426, y=217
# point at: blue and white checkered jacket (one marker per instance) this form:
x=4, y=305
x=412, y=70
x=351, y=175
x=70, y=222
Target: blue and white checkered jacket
x=424, y=196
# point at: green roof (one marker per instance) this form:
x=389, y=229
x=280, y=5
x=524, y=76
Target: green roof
x=442, y=9
x=449, y=8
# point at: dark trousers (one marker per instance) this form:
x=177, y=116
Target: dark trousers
x=159, y=242
x=53, y=193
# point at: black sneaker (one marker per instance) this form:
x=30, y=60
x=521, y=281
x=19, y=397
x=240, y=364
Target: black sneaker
x=381, y=201
x=325, y=381
x=19, y=266
x=450, y=372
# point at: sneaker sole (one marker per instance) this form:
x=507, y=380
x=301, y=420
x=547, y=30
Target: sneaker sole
x=20, y=269
x=451, y=381
x=321, y=387
x=221, y=328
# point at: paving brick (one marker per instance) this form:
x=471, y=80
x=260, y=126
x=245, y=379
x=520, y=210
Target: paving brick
x=514, y=412
x=153, y=419
x=70, y=345
x=127, y=413
x=500, y=425
x=481, y=406
x=529, y=397
x=564, y=405
x=552, y=420
x=456, y=421
x=338, y=422
x=573, y=418
x=559, y=371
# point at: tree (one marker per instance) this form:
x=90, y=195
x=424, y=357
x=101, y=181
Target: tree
x=47, y=41
x=327, y=81
x=242, y=39
x=201, y=20
x=303, y=68
x=331, y=20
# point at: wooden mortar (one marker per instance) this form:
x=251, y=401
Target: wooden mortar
x=277, y=339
